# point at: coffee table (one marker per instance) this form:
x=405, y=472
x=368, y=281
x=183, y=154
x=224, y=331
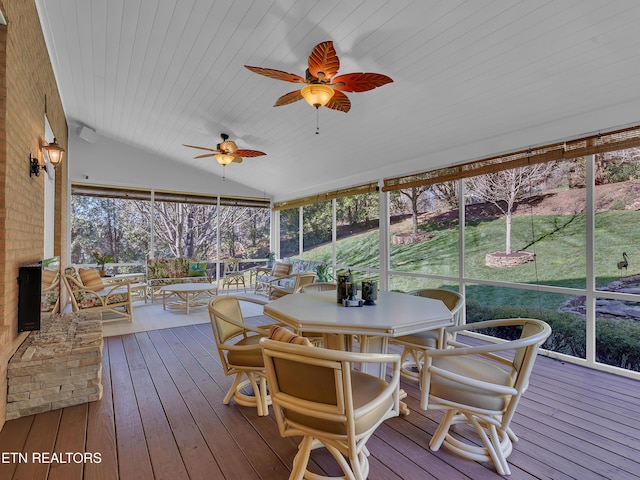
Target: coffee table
x=187, y=295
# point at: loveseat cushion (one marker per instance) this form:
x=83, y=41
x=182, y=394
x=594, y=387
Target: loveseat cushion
x=299, y=265
x=50, y=290
x=168, y=268
x=90, y=278
x=49, y=277
x=197, y=269
x=280, y=269
x=157, y=268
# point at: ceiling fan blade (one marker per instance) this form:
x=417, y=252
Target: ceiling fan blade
x=359, y=82
x=323, y=61
x=250, y=153
x=288, y=98
x=339, y=102
x=276, y=74
x=201, y=148
x=204, y=156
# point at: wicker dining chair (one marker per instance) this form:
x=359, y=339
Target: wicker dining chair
x=316, y=394
x=239, y=351
x=481, y=386
x=415, y=344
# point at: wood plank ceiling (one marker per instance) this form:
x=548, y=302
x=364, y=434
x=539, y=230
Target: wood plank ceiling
x=471, y=78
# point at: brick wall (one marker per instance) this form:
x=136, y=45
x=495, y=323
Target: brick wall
x=28, y=92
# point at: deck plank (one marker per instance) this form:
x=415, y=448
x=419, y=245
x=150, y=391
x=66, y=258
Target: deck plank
x=12, y=444
x=173, y=386
x=134, y=462
x=161, y=416
x=264, y=462
x=101, y=434
x=70, y=444
x=39, y=445
x=163, y=452
x=195, y=382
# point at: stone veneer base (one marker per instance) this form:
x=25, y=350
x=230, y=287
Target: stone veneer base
x=58, y=366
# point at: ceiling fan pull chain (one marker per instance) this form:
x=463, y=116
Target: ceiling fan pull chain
x=317, y=121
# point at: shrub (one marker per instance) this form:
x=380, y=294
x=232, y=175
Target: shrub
x=617, y=340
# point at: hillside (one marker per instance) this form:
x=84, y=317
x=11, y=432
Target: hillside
x=615, y=196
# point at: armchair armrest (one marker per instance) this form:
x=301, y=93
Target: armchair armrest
x=260, y=329
x=275, y=281
x=127, y=277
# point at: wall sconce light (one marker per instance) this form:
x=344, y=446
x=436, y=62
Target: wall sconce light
x=54, y=152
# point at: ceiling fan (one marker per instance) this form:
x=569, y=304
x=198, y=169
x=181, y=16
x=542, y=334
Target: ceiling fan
x=322, y=87
x=227, y=151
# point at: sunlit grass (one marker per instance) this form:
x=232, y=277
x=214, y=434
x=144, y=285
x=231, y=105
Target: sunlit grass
x=558, y=241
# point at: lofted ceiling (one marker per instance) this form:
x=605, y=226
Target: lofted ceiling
x=471, y=78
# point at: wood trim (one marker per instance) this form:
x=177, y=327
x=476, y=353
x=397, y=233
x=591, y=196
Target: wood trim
x=164, y=196
x=325, y=197
x=570, y=149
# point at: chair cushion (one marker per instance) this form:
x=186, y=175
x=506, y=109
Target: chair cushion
x=90, y=278
x=427, y=339
x=280, y=269
x=281, y=334
x=48, y=277
x=467, y=395
x=364, y=387
x=247, y=358
x=197, y=269
x=449, y=298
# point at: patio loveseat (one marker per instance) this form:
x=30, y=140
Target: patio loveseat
x=89, y=293
x=170, y=271
x=287, y=276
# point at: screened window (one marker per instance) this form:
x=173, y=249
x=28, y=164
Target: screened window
x=133, y=225
x=289, y=232
x=119, y=227
x=424, y=232
x=316, y=230
x=358, y=231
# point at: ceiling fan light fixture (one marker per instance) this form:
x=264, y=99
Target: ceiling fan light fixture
x=225, y=159
x=317, y=95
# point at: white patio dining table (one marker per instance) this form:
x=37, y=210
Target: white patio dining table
x=393, y=315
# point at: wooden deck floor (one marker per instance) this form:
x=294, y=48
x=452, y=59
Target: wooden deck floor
x=162, y=417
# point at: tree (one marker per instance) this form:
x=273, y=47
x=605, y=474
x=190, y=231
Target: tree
x=412, y=195
x=121, y=227
x=316, y=224
x=447, y=192
x=505, y=188
x=357, y=209
x=189, y=229
x=109, y=225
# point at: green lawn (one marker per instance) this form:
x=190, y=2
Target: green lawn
x=558, y=242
